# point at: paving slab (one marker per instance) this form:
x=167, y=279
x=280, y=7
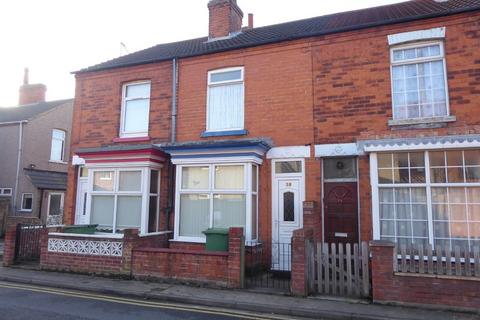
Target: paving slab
x=314, y=307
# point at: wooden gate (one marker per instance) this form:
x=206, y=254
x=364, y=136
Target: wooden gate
x=27, y=246
x=341, y=269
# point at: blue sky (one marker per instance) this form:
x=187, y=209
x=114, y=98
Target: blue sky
x=54, y=37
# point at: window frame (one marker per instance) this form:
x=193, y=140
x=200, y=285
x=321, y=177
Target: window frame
x=144, y=193
x=428, y=185
x=247, y=191
x=134, y=134
x=211, y=84
x=62, y=201
x=21, y=204
x=441, y=57
x=3, y=194
x=62, y=154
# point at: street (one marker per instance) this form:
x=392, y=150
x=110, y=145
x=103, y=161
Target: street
x=22, y=302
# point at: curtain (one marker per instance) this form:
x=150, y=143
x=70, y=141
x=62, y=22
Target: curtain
x=225, y=107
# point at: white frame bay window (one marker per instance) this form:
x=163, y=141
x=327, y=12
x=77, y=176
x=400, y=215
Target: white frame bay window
x=219, y=195
x=419, y=81
x=427, y=197
x=121, y=198
x=134, y=120
x=225, y=100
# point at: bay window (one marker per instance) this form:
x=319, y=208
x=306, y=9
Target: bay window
x=430, y=197
x=216, y=196
x=124, y=198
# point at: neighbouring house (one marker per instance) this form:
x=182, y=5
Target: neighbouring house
x=357, y=126
x=35, y=144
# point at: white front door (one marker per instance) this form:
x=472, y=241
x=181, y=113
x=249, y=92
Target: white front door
x=288, y=194
x=81, y=203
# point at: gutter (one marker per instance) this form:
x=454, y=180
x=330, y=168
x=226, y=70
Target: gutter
x=19, y=156
x=173, y=138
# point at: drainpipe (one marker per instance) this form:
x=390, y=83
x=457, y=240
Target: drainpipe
x=19, y=156
x=171, y=178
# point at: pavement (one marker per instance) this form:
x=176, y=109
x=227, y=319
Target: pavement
x=312, y=307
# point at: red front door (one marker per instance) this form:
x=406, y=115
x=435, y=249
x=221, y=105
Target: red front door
x=341, y=212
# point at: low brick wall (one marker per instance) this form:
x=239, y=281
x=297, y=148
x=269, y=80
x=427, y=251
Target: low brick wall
x=94, y=254
x=192, y=264
x=418, y=289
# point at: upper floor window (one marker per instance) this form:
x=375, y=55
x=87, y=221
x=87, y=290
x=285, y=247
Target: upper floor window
x=135, y=110
x=419, y=82
x=5, y=192
x=225, y=99
x=58, y=145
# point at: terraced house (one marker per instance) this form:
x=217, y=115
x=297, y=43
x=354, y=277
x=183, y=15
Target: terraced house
x=349, y=127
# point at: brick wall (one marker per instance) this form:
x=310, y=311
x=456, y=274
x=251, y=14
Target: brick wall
x=299, y=277
x=199, y=266
x=416, y=289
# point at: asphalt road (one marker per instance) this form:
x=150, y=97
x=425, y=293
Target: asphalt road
x=24, y=302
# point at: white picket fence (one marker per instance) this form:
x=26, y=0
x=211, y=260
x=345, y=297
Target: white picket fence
x=441, y=261
x=341, y=269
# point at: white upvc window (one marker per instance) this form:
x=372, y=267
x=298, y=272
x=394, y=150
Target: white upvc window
x=225, y=100
x=5, y=192
x=57, y=151
x=27, y=202
x=135, y=109
x=121, y=198
x=216, y=196
x=430, y=197
x=419, y=81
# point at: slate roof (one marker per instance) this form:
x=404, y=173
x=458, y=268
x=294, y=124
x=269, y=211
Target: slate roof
x=328, y=24
x=51, y=180
x=28, y=111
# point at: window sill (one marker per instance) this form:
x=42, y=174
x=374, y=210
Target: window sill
x=25, y=211
x=199, y=241
x=406, y=122
x=57, y=162
x=207, y=134
x=131, y=139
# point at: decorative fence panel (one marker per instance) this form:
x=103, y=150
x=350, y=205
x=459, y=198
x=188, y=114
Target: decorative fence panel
x=439, y=261
x=342, y=269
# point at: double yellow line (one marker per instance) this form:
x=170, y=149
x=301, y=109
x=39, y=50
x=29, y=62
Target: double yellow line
x=142, y=303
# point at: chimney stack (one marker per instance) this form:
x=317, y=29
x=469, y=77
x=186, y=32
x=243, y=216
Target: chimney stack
x=31, y=93
x=225, y=18
x=250, y=21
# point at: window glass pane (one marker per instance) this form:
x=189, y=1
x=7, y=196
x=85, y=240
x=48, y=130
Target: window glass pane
x=229, y=210
x=472, y=158
x=454, y=158
x=340, y=168
x=289, y=206
x=437, y=158
x=154, y=181
x=103, y=181
x=401, y=175
x=152, y=214
x=288, y=167
x=138, y=90
x=254, y=216
x=226, y=76
x=130, y=181
x=384, y=160
x=473, y=174
x=27, y=202
x=417, y=159
x=229, y=177
x=194, y=214
x=56, y=153
x=254, y=178
x=385, y=176
x=417, y=175
x=129, y=211
x=83, y=172
x=195, y=177
x=387, y=211
x=225, y=107
x=55, y=205
x=455, y=175
x=102, y=211
x=58, y=134
x=438, y=175
x=136, y=116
